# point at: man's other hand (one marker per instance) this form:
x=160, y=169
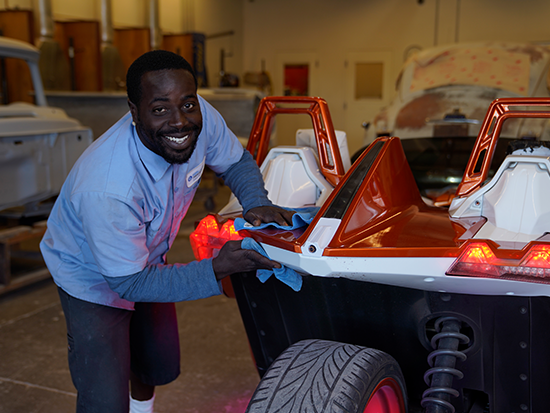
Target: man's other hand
x=233, y=259
x=266, y=214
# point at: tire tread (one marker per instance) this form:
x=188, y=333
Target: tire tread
x=319, y=376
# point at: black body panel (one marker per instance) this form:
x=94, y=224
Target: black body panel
x=507, y=366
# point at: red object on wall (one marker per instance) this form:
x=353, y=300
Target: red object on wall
x=296, y=80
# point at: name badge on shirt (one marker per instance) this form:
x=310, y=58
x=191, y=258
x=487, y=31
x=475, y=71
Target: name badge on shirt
x=194, y=175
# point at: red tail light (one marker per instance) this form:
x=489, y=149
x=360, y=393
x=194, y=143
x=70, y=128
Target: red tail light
x=207, y=239
x=479, y=259
x=210, y=236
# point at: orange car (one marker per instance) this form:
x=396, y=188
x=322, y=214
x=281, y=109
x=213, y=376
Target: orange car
x=403, y=306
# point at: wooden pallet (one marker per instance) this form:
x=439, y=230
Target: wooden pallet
x=21, y=266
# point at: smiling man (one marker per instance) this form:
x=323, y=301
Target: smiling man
x=168, y=128
x=117, y=216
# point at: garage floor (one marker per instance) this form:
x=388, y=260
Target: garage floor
x=218, y=374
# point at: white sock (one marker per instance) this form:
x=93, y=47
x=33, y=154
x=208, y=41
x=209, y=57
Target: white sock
x=145, y=406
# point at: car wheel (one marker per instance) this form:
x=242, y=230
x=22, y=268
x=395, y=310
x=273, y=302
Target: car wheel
x=325, y=376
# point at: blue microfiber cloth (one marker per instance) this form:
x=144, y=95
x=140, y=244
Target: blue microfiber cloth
x=301, y=218
x=284, y=274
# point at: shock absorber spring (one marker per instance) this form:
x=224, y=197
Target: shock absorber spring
x=436, y=399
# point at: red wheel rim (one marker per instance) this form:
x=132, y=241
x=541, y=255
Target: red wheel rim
x=386, y=398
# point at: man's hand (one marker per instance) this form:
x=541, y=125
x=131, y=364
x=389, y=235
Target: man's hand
x=265, y=214
x=232, y=259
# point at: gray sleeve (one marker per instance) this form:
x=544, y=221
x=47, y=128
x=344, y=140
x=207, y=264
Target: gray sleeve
x=246, y=182
x=168, y=283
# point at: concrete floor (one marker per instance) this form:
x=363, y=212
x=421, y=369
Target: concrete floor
x=217, y=376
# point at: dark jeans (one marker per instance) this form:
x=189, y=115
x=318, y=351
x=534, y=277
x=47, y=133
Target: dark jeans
x=105, y=343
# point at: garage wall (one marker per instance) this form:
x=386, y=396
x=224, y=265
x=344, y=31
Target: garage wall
x=330, y=36
x=220, y=20
x=335, y=34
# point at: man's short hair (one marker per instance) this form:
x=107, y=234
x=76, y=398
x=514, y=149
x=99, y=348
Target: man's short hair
x=149, y=62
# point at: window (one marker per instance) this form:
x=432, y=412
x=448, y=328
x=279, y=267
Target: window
x=368, y=80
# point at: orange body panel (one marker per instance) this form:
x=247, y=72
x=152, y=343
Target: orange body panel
x=388, y=211
x=387, y=216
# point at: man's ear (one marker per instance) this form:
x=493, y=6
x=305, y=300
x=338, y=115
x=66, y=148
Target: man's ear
x=133, y=111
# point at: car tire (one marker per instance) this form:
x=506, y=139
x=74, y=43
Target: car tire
x=324, y=376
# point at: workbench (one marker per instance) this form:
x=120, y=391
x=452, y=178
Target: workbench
x=21, y=262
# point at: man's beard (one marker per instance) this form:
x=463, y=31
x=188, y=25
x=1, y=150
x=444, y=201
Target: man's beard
x=169, y=154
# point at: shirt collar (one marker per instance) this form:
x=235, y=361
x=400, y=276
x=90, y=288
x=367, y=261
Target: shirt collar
x=155, y=164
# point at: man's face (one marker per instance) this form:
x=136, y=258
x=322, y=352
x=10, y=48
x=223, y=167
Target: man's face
x=168, y=120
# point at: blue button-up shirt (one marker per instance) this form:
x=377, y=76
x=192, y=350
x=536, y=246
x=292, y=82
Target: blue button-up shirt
x=121, y=206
